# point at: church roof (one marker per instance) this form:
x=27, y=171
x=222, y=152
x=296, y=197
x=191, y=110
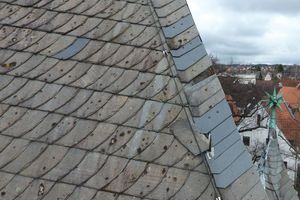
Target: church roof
x=113, y=99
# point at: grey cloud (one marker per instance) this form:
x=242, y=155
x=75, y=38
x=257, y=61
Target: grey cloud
x=250, y=31
x=277, y=6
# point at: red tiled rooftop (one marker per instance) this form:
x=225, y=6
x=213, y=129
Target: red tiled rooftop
x=289, y=126
x=234, y=108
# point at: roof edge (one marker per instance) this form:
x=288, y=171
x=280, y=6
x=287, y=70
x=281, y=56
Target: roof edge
x=193, y=67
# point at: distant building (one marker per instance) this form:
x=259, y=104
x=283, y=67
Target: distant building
x=279, y=76
x=268, y=77
x=246, y=78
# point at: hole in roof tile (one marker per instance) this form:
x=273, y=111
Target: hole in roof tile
x=9, y=65
x=139, y=150
x=41, y=189
x=112, y=141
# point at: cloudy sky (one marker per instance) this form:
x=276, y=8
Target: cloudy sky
x=253, y=31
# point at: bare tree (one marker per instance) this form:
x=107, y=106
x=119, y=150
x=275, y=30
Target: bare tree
x=246, y=96
x=214, y=59
x=256, y=150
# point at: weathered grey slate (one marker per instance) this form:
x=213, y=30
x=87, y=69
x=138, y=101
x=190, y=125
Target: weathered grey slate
x=103, y=103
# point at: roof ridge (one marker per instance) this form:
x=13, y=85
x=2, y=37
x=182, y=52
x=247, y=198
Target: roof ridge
x=193, y=68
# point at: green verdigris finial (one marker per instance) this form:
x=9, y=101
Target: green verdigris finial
x=275, y=100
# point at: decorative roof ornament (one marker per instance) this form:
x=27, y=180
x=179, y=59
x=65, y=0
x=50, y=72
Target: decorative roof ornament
x=272, y=171
x=275, y=100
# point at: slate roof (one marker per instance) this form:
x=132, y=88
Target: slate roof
x=92, y=95
x=277, y=182
x=288, y=125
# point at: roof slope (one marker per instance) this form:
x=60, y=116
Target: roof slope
x=277, y=182
x=288, y=125
x=291, y=96
x=90, y=93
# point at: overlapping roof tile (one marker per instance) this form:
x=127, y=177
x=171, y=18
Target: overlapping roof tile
x=89, y=105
